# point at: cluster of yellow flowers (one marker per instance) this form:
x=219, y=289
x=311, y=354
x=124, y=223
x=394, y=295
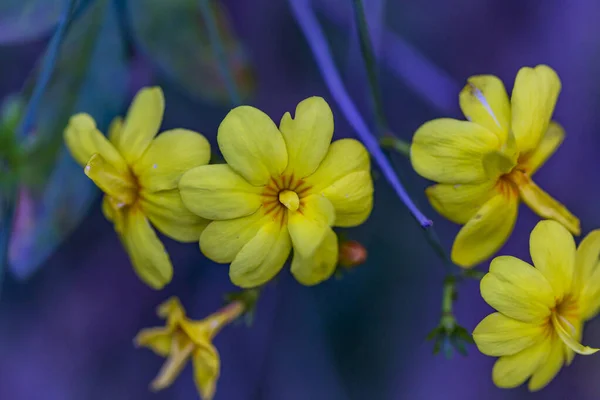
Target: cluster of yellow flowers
x=280, y=189
x=484, y=168
x=285, y=187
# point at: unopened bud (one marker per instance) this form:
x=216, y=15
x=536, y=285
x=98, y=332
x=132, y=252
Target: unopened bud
x=352, y=254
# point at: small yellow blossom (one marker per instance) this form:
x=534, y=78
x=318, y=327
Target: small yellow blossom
x=281, y=188
x=138, y=174
x=484, y=166
x=183, y=339
x=541, y=310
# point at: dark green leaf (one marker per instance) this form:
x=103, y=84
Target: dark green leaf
x=172, y=33
x=24, y=20
x=55, y=194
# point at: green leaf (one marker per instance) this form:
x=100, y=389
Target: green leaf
x=172, y=33
x=55, y=194
x=25, y=20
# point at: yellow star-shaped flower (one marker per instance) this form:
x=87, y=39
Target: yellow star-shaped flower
x=138, y=174
x=281, y=188
x=541, y=309
x=183, y=339
x=484, y=166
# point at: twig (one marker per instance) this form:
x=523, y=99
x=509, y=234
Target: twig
x=369, y=58
x=219, y=52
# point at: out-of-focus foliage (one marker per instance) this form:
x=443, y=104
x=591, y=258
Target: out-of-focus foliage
x=24, y=20
x=173, y=34
x=54, y=194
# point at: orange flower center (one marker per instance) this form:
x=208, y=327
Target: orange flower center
x=284, y=193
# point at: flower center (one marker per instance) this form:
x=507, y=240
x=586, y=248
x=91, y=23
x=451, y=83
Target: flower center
x=289, y=199
x=284, y=192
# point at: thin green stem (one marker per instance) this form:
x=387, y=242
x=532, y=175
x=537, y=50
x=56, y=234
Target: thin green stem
x=366, y=49
x=219, y=52
x=398, y=145
x=448, y=295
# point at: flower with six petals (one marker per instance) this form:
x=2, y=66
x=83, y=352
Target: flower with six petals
x=541, y=309
x=280, y=189
x=138, y=174
x=183, y=339
x=484, y=166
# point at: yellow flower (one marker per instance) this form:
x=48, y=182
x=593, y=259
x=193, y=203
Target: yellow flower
x=139, y=175
x=484, y=165
x=541, y=310
x=182, y=339
x=281, y=188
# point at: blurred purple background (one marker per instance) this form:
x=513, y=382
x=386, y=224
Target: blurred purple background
x=66, y=334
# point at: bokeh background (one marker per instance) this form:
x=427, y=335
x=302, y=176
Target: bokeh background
x=71, y=303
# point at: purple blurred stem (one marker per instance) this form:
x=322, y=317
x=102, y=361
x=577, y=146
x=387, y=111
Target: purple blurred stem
x=313, y=33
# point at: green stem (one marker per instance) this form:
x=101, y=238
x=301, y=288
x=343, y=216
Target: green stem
x=398, y=145
x=473, y=274
x=448, y=295
x=219, y=52
x=369, y=59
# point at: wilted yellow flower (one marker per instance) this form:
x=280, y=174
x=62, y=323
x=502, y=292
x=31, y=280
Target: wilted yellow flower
x=183, y=339
x=281, y=188
x=484, y=165
x=138, y=174
x=541, y=310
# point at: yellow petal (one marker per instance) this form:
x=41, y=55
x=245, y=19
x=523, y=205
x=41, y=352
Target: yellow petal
x=118, y=186
x=576, y=329
x=181, y=351
x=459, y=203
x=352, y=198
x=252, y=145
x=484, y=101
x=207, y=365
x=486, y=232
x=141, y=124
x=84, y=140
x=450, y=151
x=203, y=331
x=548, y=370
x=345, y=156
x=586, y=271
x=171, y=310
x=590, y=297
x=533, y=99
x=115, y=129
x=159, y=340
x=308, y=225
x=221, y=241
x=568, y=338
x=262, y=257
x=498, y=163
x=517, y=290
x=171, y=217
x=551, y=140
x=218, y=192
x=553, y=253
x=543, y=204
x=321, y=265
x=511, y=371
x=499, y=335
x=170, y=155
x=148, y=255
x=307, y=136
